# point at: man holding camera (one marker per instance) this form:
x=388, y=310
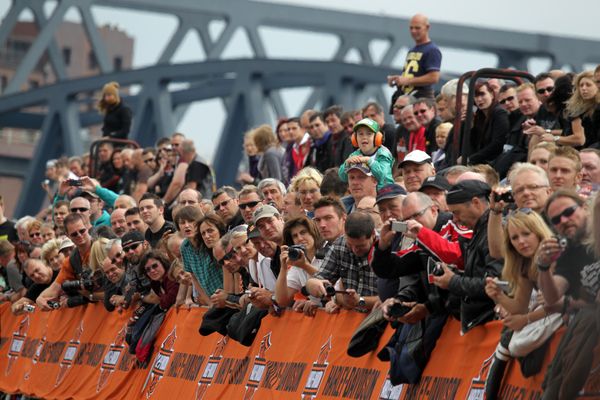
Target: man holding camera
x=42, y=276
x=137, y=284
x=348, y=261
x=72, y=275
x=468, y=201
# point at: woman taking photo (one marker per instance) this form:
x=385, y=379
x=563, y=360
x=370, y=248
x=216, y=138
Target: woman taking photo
x=155, y=265
x=297, y=264
x=490, y=126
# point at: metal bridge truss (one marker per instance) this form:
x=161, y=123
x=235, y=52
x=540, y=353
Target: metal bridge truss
x=248, y=87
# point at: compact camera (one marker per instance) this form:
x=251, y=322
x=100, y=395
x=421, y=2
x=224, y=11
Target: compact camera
x=507, y=197
x=28, y=308
x=399, y=226
x=398, y=310
x=296, y=252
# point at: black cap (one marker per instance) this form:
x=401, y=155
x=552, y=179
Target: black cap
x=390, y=191
x=436, y=181
x=252, y=232
x=130, y=238
x=464, y=191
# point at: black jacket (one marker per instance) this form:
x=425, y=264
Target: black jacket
x=488, y=136
x=341, y=147
x=117, y=122
x=321, y=154
x=476, y=308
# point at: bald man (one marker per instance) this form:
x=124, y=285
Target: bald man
x=422, y=65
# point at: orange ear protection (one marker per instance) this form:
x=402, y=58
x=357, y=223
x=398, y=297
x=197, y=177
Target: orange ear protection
x=378, y=139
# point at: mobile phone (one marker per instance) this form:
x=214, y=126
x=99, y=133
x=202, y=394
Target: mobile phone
x=399, y=226
x=504, y=285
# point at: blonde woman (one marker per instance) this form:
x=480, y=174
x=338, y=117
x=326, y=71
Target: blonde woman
x=117, y=116
x=306, y=184
x=51, y=255
x=271, y=159
x=581, y=108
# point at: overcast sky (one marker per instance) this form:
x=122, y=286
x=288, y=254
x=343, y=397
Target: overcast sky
x=151, y=33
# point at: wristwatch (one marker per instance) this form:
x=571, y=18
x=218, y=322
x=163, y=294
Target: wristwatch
x=543, y=267
x=548, y=130
x=361, y=302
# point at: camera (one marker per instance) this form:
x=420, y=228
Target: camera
x=398, y=310
x=28, y=307
x=399, y=226
x=562, y=242
x=74, y=182
x=507, y=196
x=53, y=304
x=330, y=290
x=437, y=269
x=296, y=252
x=86, y=282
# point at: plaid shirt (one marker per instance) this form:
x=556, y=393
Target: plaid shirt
x=355, y=272
x=203, y=266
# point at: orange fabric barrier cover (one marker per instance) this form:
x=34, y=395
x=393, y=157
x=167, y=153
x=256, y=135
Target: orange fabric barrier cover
x=80, y=353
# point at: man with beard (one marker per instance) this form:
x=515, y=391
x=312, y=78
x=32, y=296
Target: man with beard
x=568, y=214
x=138, y=285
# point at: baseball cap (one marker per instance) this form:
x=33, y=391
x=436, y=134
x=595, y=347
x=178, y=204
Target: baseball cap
x=369, y=123
x=89, y=193
x=390, y=191
x=417, y=157
x=436, y=181
x=265, y=211
x=362, y=167
x=464, y=191
x=130, y=238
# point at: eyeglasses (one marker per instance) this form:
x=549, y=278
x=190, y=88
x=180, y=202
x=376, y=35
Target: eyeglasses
x=250, y=204
x=35, y=234
x=506, y=100
x=417, y=112
x=418, y=214
x=222, y=204
x=80, y=232
x=548, y=89
x=531, y=188
x=524, y=210
x=116, y=258
x=567, y=212
x=151, y=267
x=132, y=246
x=79, y=209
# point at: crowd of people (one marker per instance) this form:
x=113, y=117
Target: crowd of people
x=341, y=209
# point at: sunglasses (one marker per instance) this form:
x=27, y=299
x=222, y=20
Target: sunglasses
x=250, y=204
x=79, y=209
x=226, y=257
x=133, y=246
x=116, y=258
x=548, y=89
x=417, y=112
x=149, y=160
x=506, y=100
x=35, y=234
x=151, y=267
x=80, y=232
x=222, y=204
x=567, y=212
x=398, y=107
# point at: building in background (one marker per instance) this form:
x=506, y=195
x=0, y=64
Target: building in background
x=80, y=61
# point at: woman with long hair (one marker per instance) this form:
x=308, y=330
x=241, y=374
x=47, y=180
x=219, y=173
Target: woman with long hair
x=197, y=257
x=298, y=263
x=523, y=232
x=156, y=265
x=490, y=126
x=582, y=109
x=117, y=115
x=271, y=154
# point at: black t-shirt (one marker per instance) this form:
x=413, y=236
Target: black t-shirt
x=570, y=264
x=154, y=237
x=37, y=288
x=8, y=231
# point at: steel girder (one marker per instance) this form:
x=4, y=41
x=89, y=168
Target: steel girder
x=244, y=84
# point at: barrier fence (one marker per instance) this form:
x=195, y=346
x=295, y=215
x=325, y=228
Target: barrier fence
x=80, y=353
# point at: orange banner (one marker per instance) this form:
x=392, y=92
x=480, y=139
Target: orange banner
x=81, y=354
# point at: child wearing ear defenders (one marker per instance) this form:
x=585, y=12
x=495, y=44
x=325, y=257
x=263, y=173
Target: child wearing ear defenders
x=371, y=151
